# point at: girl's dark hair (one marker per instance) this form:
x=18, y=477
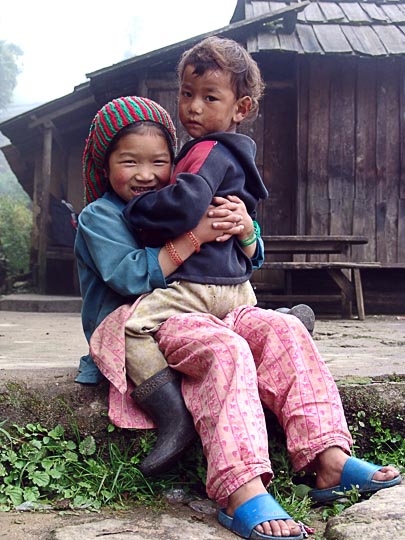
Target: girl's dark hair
x=215, y=53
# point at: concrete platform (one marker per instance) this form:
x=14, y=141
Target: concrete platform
x=38, y=332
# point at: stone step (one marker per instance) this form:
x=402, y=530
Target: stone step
x=40, y=303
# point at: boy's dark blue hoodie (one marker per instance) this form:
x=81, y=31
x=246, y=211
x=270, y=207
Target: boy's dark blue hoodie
x=219, y=164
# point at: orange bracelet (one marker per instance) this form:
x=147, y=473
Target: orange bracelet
x=194, y=240
x=171, y=250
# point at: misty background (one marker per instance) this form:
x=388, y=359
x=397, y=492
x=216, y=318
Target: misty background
x=61, y=42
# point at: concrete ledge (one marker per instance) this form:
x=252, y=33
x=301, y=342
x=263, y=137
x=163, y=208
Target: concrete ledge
x=36, y=303
x=50, y=396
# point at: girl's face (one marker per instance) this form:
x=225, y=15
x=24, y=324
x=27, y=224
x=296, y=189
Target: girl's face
x=140, y=162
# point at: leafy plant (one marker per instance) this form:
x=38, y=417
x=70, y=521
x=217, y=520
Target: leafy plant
x=387, y=447
x=349, y=498
x=40, y=465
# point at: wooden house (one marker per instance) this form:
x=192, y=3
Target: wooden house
x=330, y=133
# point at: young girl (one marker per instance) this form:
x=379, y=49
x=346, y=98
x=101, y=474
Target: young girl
x=129, y=151
x=231, y=368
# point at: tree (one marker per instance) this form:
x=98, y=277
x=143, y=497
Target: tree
x=9, y=70
x=15, y=214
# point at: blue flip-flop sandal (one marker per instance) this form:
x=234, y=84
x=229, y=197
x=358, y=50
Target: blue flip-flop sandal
x=248, y=515
x=356, y=473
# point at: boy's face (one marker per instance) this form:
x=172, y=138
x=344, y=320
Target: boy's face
x=207, y=103
x=139, y=163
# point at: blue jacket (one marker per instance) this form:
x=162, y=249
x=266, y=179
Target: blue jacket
x=114, y=268
x=219, y=164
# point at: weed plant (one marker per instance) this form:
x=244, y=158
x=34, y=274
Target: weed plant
x=40, y=466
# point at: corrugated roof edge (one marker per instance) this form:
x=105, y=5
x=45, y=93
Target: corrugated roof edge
x=231, y=30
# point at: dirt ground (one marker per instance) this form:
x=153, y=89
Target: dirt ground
x=31, y=341
x=45, y=525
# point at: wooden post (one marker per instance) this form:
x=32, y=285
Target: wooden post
x=44, y=207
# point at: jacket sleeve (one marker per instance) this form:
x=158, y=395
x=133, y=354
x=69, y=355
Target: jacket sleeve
x=105, y=244
x=178, y=208
x=258, y=257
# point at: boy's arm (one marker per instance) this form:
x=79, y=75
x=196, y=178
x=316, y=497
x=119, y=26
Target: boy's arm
x=106, y=245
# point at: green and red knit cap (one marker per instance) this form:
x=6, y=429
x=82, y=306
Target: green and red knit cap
x=110, y=119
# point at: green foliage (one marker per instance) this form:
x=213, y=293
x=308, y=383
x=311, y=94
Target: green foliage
x=387, y=447
x=15, y=234
x=291, y=489
x=40, y=465
x=9, y=184
x=349, y=498
x=9, y=69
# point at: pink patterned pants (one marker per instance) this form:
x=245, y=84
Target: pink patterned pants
x=234, y=367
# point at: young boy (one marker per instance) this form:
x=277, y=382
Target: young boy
x=220, y=87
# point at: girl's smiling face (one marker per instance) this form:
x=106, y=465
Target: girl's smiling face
x=139, y=162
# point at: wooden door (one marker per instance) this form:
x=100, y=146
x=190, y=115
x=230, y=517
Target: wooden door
x=279, y=148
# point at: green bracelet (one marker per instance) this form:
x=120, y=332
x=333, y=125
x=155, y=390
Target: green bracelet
x=253, y=237
x=249, y=240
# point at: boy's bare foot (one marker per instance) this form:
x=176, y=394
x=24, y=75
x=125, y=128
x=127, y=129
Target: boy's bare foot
x=275, y=528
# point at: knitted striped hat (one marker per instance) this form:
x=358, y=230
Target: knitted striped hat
x=109, y=120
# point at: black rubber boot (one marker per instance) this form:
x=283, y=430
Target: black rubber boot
x=304, y=313
x=160, y=397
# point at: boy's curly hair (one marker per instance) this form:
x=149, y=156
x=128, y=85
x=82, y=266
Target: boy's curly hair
x=215, y=53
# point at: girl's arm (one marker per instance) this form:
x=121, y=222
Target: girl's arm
x=105, y=245
x=219, y=224
x=227, y=217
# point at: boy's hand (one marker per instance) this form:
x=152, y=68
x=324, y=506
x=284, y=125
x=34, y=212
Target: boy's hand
x=221, y=221
x=232, y=206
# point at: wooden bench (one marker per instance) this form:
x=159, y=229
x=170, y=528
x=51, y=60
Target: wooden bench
x=346, y=275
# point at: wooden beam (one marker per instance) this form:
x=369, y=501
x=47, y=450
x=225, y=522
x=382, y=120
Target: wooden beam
x=44, y=208
x=41, y=120
x=58, y=138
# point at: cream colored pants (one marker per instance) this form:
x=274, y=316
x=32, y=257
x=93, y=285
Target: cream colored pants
x=143, y=356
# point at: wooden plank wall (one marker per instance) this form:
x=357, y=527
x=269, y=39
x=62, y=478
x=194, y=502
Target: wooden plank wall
x=351, y=164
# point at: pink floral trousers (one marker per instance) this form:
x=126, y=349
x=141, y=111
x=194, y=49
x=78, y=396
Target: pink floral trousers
x=234, y=367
